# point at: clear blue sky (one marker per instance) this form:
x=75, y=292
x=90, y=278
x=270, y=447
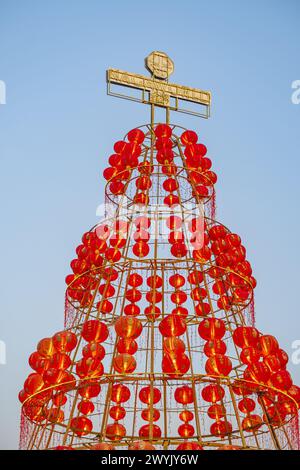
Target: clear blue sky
x=58, y=127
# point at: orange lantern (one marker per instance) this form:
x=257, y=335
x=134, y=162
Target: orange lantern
x=124, y=363
x=141, y=445
x=46, y=347
x=64, y=341
x=150, y=414
x=252, y=423
x=115, y=431
x=81, y=426
x=128, y=327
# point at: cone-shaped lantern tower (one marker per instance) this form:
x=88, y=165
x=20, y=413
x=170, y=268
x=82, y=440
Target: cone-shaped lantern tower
x=159, y=348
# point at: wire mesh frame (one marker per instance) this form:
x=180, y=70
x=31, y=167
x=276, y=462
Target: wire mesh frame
x=47, y=435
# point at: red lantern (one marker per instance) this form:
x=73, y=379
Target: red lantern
x=186, y=416
x=89, y=367
x=115, y=431
x=172, y=325
x=173, y=345
x=282, y=380
x=141, y=445
x=155, y=282
x=184, y=395
x=33, y=384
x=272, y=363
x=149, y=395
x=252, y=423
x=170, y=185
x=246, y=405
x=46, y=347
x=258, y=372
x=124, y=363
x=244, y=336
x=282, y=357
x=128, y=346
x=188, y=137
x=175, y=366
x=120, y=393
x=163, y=131
x=177, y=281
x=128, y=327
x=216, y=412
x=135, y=280
x=94, y=349
x=213, y=347
x=150, y=414
x=140, y=249
x=213, y=393
x=152, y=312
x=181, y=311
x=94, y=330
x=150, y=430
x=202, y=309
x=133, y=295
x=218, y=365
x=171, y=200
x=186, y=430
x=60, y=361
x=249, y=355
x=268, y=345
x=195, y=277
x=64, y=341
x=117, y=412
x=189, y=446
x=221, y=428
x=113, y=255
x=179, y=250
x=81, y=426
x=211, y=328
x=132, y=309
x=136, y=135
x=86, y=407
x=89, y=390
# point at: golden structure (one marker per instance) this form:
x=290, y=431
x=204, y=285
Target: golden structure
x=157, y=91
x=159, y=349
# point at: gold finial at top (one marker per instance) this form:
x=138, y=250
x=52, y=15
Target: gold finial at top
x=159, y=64
x=157, y=90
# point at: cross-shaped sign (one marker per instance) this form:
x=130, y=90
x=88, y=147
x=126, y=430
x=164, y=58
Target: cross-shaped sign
x=156, y=90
